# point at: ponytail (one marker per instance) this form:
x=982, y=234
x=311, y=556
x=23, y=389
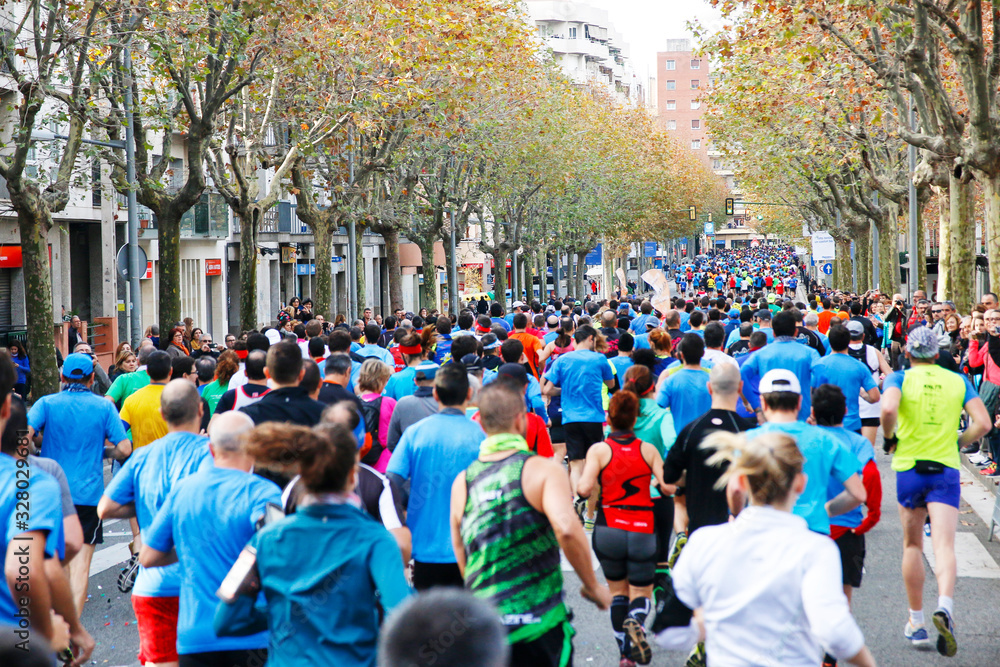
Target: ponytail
x=638, y=380
x=770, y=463
x=324, y=456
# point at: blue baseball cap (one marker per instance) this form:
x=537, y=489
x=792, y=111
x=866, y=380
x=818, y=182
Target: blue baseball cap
x=77, y=366
x=426, y=370
x=734, y=312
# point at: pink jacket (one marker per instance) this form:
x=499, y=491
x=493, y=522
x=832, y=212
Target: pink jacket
x=978, y=357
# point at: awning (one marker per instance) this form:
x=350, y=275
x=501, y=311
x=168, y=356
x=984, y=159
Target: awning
x=595, y=271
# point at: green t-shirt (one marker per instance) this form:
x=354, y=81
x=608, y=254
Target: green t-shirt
x=213, y=392
x=127, y=384
x=929, y=410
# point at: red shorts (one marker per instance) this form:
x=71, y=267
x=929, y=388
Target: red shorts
x=157, y=621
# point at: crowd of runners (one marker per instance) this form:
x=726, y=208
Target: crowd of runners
x=405, y=490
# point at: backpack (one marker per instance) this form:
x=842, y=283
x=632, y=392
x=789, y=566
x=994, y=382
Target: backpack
x=862, y=356
x=371, y=412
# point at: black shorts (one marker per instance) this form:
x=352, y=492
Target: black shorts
x=626, y=555
x=240, y=658
x=430, y=575
x=870, y=421
x=93, y=527
x=557, y=433
x=553, y=649
x=580, y=436
x=852, y=557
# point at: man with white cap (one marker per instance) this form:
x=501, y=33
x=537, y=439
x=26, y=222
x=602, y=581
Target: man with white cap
x=871, y=357
x=921, y=408
x=826, y=457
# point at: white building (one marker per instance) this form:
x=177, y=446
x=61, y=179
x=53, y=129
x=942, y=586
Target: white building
x=587, y=47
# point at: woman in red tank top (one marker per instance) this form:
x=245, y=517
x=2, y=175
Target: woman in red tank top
x=624, y=532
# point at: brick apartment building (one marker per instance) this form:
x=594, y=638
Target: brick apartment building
x=681, y=79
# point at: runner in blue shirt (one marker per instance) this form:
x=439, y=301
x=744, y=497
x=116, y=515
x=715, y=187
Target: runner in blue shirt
x=846, y=372
x=226, y=495
x=431, y=452
x=826, y=458
x=685, y=392
x=787, y=353
x=139, y=490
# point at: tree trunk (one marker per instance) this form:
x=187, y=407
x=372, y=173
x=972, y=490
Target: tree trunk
x=991, y=193
x=557, y=272
x=581, y=274
x=527, y=270
x=38, y=297
x=249, y=226
x=842, y=264
x=391, y=238
x=451, y=281
x=359, y=256
x=169, y=267
x=962, y=238
x=322, y=231
x=500, y=276
x=922, y=251
x=946, y=269
x=428, y=291
x=888, y=253
x=862, y=259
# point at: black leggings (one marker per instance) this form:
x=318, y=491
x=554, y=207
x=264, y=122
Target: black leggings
x=663, y=519
x=626, y=555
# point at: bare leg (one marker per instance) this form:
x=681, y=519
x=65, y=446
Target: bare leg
x=870, y=433
x=944, y=524
x=79, y=575
x=913, y=557
x=680, y=514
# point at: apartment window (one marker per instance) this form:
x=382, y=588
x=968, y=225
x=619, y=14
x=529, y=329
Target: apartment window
x=671, y=124
x=671, y=65
x=671, y=105
x=695, y=63
x=696, y=144
x=717, y=164
x=572, y=33
x=695, y=84
x=695, y=124
x=671, y=84
x=695, y=105
x=95, y=183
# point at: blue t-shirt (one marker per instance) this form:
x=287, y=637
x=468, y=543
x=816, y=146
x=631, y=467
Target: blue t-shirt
x=580, y=374
x=41, y=511
x=379, y=353
x=851, y=376
x=550, y=336
x=786, y=354
x=638, y=325
x=442, y=349
x=209, y=517
x=621, y=364
x=431, y=454
x=402, y=383
x=146, y=479
x=502, y=322
x=685, y=394
x=862, y=449
x=827, y=460
x=685, y=316
x=75, y=425
x=825, y=340
x=533, y=396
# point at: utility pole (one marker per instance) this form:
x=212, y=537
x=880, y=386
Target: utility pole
x=352, y=260
x=454, y=265
x=911, y=283
x=134, y=270
x=875, y=247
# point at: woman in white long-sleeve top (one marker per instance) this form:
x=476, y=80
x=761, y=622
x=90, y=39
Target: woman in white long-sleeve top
x=768, y=589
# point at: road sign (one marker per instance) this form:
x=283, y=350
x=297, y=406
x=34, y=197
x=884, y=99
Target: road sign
x=709, y=228
x=823, y=246
x=122, y=260
x=827, y=269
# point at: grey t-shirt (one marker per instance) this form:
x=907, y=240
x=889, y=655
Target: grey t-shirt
x=408, y=411
x=53, y=468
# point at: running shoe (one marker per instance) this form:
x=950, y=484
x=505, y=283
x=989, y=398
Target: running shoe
x=675, y=552
x=976, y=459
x=126, y=579
x=917, y=636
x=829, y=661
x=580, y=505
x=971, y=449
x=927, y=528
x=989, y=470
x=947, y=645
x=642, y=653
x=697, y=656
x=662, y=590
x=626, y=662
x=588, y=526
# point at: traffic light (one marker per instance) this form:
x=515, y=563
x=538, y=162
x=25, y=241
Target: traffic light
x=730, y=206
x=692, y=213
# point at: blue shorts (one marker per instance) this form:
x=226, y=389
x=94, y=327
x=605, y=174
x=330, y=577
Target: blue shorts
x=916, y=490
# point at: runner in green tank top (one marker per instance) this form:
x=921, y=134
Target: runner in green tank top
x=510, y=514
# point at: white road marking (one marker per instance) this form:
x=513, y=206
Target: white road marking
x=109, y=557
x=979, y=498
x=973, y=559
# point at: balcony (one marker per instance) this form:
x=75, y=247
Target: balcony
x=279, y=219
x=209, y=218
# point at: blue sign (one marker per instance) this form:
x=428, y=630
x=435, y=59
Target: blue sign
x=334, y=259
x=658, y=263
x=594, y=256
x=827, y=268
x=650, y=249
x=709, y=228
x=305, y=269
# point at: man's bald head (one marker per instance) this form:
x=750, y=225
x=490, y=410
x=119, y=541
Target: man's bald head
x=179, y=403
x=724, y=379
x=609, y=319
x=227, y=429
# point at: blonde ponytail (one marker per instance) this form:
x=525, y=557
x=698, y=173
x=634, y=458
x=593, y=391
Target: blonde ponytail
x=769, y=461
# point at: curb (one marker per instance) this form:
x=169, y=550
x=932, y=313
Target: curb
x=991, y=484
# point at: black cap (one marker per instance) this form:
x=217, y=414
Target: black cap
x=472, y=362
x=515, y=371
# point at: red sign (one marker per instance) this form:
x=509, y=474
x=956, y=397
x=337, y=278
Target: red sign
x=10, y=257
x=213, y=267
x=148, y=275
